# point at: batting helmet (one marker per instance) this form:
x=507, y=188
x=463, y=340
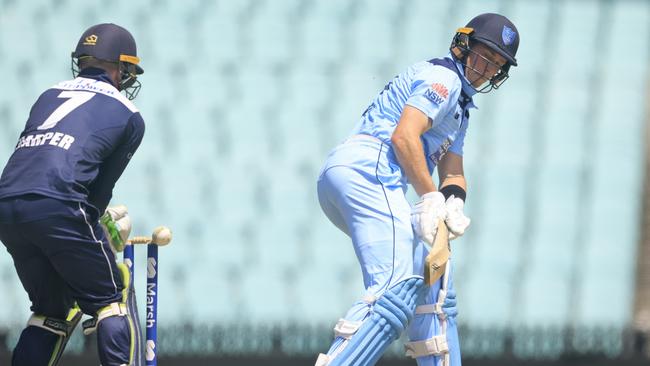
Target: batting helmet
x=111, y=43
x=494, y=31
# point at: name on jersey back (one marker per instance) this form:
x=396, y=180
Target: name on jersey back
x=51, y=138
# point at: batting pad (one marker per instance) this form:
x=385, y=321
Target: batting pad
x=389, y=317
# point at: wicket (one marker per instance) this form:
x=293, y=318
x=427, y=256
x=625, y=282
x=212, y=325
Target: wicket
x=152, y=242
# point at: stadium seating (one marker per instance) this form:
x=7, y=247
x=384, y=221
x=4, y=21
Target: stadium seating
x=243, y=100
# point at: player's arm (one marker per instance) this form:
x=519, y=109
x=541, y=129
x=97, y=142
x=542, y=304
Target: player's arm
x=450, y=172
x=409, y=150
x=112, y=168
x=454, y=188
x=429, y=102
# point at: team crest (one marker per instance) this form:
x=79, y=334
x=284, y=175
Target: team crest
x=508, y=35
x=91, y=40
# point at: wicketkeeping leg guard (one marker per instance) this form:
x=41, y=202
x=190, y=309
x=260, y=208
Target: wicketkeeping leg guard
x=388, y=318
x=118, y=336
x=44, y=339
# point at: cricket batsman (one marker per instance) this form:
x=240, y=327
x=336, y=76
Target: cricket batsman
x=416, y=124
x=54, y=193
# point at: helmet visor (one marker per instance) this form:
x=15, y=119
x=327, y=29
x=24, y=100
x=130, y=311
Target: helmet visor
x=485, y=73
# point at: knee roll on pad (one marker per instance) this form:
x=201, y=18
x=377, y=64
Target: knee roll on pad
x=389, y=317
x=59, y=327
x=114, y=309
x=52, y=332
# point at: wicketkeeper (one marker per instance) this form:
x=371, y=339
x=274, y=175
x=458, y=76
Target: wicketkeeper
x=54, y=193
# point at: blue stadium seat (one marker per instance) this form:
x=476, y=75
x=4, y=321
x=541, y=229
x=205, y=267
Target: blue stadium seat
x=244, y=99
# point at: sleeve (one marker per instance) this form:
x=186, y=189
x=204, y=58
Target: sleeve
x=433, y=91
x=457, y=146
x=113, y=166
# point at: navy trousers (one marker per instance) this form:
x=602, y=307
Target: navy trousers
x=60, y=253
x=62, y=256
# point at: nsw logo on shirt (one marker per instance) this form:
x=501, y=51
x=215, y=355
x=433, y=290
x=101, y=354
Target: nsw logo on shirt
x=437, y=93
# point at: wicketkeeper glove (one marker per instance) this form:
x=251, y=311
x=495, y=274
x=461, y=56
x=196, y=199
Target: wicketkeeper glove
x=117, y=226
x=426, y=213
x=455, y=219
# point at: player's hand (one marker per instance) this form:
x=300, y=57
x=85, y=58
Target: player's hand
x=117, y=226
x=455, y=219
x=426, y=214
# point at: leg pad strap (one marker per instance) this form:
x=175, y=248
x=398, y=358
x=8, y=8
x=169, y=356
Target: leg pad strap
x=59, y=327
x=114, y=309
x=434, y=346
x=346, y=328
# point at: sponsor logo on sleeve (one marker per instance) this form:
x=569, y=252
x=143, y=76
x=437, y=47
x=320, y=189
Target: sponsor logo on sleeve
x=437, y=93
x=442, y=150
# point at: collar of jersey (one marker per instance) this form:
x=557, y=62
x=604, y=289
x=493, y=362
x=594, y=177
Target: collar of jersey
x=96, y=74
x=100, y=76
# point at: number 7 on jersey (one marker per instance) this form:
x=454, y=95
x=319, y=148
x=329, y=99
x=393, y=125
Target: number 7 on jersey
x=75, y=99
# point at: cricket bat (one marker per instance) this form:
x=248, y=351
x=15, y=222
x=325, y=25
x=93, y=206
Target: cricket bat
x=434, y=263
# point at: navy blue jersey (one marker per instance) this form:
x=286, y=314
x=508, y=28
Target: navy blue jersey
x=78, y=140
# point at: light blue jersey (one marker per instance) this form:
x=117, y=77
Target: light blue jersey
x=433, y=87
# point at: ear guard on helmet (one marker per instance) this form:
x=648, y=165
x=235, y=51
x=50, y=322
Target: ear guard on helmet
x=129, y=71
x=460, y=44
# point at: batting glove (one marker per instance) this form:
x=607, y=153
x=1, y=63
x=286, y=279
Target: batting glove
x=456, y=220
x=425, y=215
x=117, y=226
